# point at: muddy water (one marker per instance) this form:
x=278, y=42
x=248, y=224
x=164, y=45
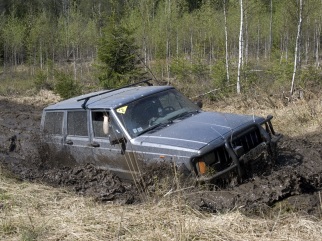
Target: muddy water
x=294, y=183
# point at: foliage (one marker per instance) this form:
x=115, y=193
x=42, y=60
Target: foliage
x=311, y=78
x=41, y=81
x=66, y=86
x=180, y=40
x=181, y=68
x=119, y=57
x=281, y=73
x=219, y=74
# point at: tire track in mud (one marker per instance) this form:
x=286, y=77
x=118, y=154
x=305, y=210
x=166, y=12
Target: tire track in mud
x=294, y=182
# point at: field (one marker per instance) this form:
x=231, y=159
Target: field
x=42, y=203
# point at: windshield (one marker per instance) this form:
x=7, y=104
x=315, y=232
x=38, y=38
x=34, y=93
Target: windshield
x=152, y=111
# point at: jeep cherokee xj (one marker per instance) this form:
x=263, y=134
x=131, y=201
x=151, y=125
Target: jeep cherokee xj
x=121, y=129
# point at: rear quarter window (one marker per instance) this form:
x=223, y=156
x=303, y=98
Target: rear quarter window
x=54, y=123
x=77, y=123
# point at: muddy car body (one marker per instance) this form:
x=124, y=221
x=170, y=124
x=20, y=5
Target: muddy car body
x=125, y=128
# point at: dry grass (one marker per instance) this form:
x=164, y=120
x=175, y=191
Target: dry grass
x=294, y=118
x=43, y=97
x=37, y=212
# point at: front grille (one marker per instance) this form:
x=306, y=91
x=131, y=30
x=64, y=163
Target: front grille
x=248, y=140
x=222, y=158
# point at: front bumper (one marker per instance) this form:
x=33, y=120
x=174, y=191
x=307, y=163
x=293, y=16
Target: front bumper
x=267, y=147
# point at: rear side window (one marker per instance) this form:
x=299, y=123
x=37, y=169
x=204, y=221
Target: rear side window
x=77, y=123
x=54, y=123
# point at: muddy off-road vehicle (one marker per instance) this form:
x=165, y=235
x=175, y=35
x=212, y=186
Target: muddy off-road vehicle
x=125, y=128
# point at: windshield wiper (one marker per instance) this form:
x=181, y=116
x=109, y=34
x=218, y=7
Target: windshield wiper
x=184, y=114
x=154, y=127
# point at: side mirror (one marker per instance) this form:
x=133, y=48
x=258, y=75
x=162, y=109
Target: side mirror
x=115, y=136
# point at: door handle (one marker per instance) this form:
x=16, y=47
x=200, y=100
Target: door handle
x=69, y=142
x=95, y=144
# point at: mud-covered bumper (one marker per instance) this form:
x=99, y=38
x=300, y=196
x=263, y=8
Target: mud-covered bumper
x=267, y=147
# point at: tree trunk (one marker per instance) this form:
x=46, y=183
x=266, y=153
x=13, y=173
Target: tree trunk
x=258, y=42
x=270, y=31
x=41, y=60
x=177, y=43
x=74, y=64
x=286, y=46
x=226, y=42
x=191, y=46
x=297, y=46
x=307, y=47
x=317, y=44
x=246, y=42
x=240, y=50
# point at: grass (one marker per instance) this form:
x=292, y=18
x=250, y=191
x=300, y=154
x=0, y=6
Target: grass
x=15, y=82
x=38, y=212
x=294, y=118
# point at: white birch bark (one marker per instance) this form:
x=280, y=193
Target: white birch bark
x=240, y=50
x=270, y=30
x=226, y=42
x=297, y=46
x=258, y=42
x=317, y=44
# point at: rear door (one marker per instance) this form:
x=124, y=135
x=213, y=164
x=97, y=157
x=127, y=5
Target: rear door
x=53, y=127
x=77, y=142
x=53, y=134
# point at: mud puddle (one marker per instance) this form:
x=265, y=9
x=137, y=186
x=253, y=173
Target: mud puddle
x=294, y=183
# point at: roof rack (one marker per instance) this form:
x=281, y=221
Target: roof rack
x=86, y=99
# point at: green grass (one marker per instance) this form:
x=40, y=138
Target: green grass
x=15, y=83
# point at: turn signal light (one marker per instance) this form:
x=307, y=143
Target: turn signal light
x=202, y=167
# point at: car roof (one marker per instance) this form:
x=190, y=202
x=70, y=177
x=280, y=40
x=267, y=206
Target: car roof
x=109, y=100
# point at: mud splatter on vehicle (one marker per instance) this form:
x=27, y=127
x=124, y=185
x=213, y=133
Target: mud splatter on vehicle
x=125, y=128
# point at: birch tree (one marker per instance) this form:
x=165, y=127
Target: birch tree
x=240, y=48
x=270, y=30
x=226, y=42
x=297, y=45
x=13, y=34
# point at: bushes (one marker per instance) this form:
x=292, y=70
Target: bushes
x=63, y=84
x=41, y=81
x=66, y=86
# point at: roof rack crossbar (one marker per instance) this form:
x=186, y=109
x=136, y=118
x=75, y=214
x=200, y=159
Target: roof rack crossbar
x=86, y=99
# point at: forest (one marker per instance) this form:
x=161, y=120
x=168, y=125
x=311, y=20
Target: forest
x=199, y=46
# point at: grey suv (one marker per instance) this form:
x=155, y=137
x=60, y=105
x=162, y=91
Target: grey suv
x=123, y=129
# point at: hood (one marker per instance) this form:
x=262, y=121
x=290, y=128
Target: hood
x=198, y=130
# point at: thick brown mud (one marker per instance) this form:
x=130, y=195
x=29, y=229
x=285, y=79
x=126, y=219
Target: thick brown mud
x=293, y=184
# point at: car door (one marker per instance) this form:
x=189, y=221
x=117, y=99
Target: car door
x=77, y=142
x=109, y=154
x=51, y=150
x=52, y=127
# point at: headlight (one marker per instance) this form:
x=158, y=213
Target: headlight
x=201, y=166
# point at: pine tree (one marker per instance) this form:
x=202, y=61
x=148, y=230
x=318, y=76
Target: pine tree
x=119, y=59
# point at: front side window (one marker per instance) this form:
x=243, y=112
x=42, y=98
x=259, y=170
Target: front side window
x=53, y=123
x=100, y=122
x=104, y=125
x=141, y=115
x=77, y=123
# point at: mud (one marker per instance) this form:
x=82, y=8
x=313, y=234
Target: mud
x=293, y=184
